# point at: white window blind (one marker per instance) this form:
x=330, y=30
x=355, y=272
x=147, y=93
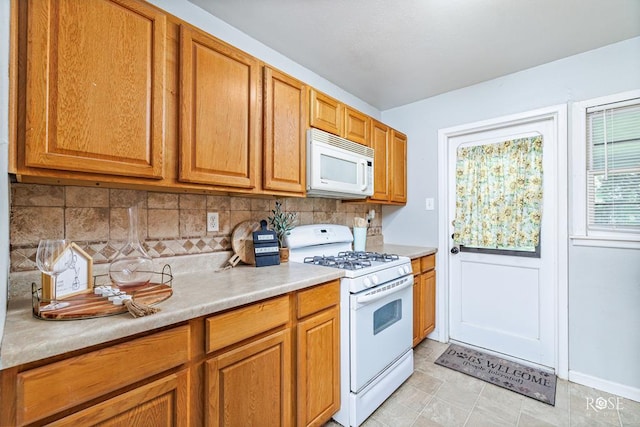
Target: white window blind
x=613, y=167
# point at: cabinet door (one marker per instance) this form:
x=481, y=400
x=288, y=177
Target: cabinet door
x=356, y=126
x=251, y=385
x=326, y=113
x=219, y=122
x=284, y=140
x=398, y=167
x=429, y=301
x=162, y=403
x=95, y=81
x=380, y=135
x=318, y=368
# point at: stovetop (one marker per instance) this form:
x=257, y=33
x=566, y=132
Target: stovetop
x=351, y=260
x=330, y=245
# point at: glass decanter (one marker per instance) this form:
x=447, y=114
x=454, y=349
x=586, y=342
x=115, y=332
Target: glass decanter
x=132, y=265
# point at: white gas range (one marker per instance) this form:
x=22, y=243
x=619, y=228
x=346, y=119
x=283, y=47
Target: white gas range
x=376, y=316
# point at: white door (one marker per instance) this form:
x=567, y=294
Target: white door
x=499, y=301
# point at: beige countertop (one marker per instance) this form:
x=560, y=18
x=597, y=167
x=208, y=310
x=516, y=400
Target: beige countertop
x=198, y=290
x=408, y=251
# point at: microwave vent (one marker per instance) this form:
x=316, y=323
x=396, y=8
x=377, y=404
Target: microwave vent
x=336, y=141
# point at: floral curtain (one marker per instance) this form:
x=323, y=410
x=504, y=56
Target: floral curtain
x=499, y=195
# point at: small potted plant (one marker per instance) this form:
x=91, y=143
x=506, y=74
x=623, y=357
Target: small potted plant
x=282, y=223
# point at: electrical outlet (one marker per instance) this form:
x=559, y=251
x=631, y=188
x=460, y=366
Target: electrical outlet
x=212, y=221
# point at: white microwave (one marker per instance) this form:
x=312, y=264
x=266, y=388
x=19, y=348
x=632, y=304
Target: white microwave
x=337, y=167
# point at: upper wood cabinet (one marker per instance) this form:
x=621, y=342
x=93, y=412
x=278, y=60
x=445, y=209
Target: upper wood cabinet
x=94, y=86
x=284, y=137
x=326, y=112
x=356, y=126
x=332, y=116
x=398, y=166
x=219, y=112
x=119, y=93
x=389, y=163
x=380, y=135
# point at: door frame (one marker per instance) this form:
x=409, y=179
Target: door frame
x=558, y=115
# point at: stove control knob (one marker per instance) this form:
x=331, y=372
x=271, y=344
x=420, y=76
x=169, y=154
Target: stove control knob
x=401, y=271
x=375, y=279
x=366, y=282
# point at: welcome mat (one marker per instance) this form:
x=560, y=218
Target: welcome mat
x=531, y=382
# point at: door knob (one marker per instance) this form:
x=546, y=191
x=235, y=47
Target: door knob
x=455, y=250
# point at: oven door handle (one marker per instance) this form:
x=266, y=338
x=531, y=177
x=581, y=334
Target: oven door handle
x=363, y=299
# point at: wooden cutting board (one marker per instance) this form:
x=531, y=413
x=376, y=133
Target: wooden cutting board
x=242, y=241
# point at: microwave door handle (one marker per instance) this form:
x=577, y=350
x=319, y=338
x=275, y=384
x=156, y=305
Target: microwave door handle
x=363, y=166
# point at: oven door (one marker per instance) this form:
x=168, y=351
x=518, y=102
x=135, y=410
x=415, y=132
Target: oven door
x=381, y=328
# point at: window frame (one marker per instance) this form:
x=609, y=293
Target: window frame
x=581, y=234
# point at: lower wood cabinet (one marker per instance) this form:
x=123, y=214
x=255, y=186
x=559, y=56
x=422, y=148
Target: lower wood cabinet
x=274, y=362
x=143, y=377
x=318, y=354
x=251, y=381
x=251, y=385
x=424, y=297
x=160, y=403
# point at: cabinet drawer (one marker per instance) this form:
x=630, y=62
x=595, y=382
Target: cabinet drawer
x=415, y=266
x=317, y=298
x=236, y=325
x=52, y=388
x=428, y=262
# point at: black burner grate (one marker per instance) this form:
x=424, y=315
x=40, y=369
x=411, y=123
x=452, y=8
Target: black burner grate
x=351, y=260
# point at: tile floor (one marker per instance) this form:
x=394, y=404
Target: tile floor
x=438, y=396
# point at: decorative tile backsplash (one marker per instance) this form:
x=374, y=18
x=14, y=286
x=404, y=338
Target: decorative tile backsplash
x=169, y=224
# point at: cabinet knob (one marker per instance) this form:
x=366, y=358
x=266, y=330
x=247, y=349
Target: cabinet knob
x=455, y=250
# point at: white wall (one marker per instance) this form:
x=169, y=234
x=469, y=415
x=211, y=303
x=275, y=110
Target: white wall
x=604, y=284
x=220, y=29
x=4, y=154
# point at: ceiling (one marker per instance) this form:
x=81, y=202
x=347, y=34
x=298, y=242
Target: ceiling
x=390, y=53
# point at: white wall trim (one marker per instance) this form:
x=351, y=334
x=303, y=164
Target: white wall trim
x=558, y=114
x=601, y=242
x=606, y=386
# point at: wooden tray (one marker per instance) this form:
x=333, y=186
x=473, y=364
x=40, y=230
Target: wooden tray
x=87, y=305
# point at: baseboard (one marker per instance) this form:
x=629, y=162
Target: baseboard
x=435, y=335
x=622, y=390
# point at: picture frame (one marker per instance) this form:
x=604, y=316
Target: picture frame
x=78, y=278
